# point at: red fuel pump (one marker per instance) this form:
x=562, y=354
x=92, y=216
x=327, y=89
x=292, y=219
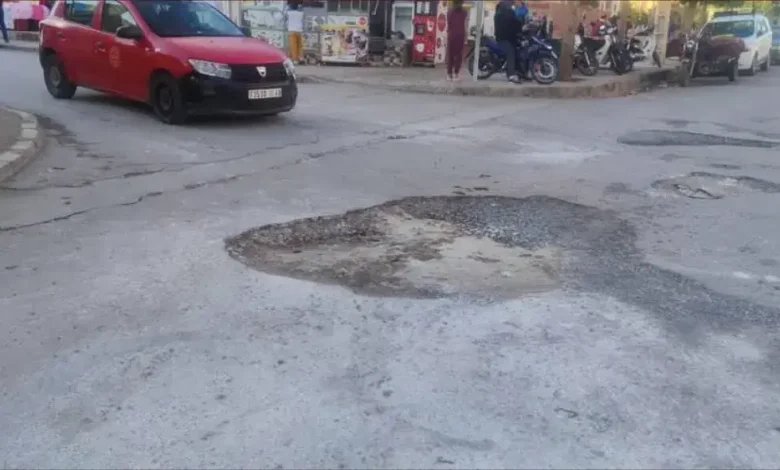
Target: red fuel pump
x=424, y=39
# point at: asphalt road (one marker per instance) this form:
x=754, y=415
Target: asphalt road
x=130, y=337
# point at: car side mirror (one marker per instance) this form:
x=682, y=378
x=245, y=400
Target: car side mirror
x=129, y=32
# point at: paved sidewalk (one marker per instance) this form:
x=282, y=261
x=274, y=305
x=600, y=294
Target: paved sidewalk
x=433, y=81
x=29, y=46
x=20, y=141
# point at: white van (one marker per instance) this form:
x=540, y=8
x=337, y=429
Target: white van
x=754, y=29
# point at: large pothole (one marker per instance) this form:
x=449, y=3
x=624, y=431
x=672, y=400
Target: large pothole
x=664, y=138
x=487, y=246
x=703, y=185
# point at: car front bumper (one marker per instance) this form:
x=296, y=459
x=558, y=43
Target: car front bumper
x=746, y=60
x=210, y=94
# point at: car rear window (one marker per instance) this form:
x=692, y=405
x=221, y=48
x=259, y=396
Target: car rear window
x=740, y=28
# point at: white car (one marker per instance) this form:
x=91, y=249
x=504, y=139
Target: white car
x=754, y=29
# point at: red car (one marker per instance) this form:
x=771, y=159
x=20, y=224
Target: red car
x=180, y=56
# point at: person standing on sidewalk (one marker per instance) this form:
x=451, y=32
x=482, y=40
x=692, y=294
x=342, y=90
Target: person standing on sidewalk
x=456, y=38
x=295, y=31
x=2, y=23
x=506, y=29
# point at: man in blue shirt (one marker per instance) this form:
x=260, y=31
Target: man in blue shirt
x=2, y=23
x=521, y=11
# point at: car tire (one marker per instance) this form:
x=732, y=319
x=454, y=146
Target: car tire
x=57, y=82
x=765, y=65
x=167, y=99
x=753, y=66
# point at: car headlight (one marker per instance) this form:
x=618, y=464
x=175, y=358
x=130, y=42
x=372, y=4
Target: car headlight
x=212, y=69
x=289, y=67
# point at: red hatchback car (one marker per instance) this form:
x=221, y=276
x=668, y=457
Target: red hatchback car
x=180, y=56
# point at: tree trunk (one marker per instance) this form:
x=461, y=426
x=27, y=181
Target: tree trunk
x=625, y=11
x=568, y=30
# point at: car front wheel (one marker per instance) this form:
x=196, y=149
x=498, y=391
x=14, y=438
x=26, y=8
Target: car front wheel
x=167, y=100
x=57, y=82
x=753, y=66
x=765, y=65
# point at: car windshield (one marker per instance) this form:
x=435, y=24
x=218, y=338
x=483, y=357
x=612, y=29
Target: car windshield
x=185, y=18
x=740, y=29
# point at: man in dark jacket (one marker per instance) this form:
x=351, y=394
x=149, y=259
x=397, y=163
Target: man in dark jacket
x=507, y=27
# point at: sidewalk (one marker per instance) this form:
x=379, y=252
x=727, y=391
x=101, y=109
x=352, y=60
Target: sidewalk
x=432, y=81
x=20, y=141
x=21, y=41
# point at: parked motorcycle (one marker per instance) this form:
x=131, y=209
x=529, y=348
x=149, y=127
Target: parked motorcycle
x=584, y=55
x=534, y=57
x=707, y=56
x=642, y=45
x=612, y=52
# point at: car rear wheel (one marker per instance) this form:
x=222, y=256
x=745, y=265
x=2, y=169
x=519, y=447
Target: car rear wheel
x=57, y=82
x=167, y=100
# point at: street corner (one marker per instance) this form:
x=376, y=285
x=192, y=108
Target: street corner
x=21, y=140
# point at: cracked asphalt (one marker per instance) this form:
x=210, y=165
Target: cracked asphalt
x=132, y=339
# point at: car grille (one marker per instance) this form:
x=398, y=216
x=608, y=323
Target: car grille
x=249, y=73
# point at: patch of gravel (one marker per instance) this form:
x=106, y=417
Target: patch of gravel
x=494, y=247
x=490, y=248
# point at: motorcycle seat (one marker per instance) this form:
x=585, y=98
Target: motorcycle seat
x=594, y=43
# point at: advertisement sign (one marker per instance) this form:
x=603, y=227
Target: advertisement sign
x=344, y=39
x=266, y=21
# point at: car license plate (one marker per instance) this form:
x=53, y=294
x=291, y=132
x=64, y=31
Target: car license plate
x=265, y=94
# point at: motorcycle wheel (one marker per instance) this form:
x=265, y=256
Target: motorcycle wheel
x=617, y=64
x=486, y=64
x=685, y=75
x=733, y=71
x=586, y=63
x=544, y=70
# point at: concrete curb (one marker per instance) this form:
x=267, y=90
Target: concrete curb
x=27, y=146
x=624, y=85
x=29, y=47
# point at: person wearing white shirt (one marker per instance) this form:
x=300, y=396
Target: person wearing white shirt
x=295, y=32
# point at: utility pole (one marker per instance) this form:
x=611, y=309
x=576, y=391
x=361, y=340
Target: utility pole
x=480, y=12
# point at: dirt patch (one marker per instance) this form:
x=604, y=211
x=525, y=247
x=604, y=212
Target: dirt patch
x=387, y=251
x=703, y=185
x=664, y=138
x=429, y=247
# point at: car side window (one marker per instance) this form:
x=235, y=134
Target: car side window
x=80, y=11
x=115, y=15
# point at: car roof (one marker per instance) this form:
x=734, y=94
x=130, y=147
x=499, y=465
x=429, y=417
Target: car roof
x=728, y=19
